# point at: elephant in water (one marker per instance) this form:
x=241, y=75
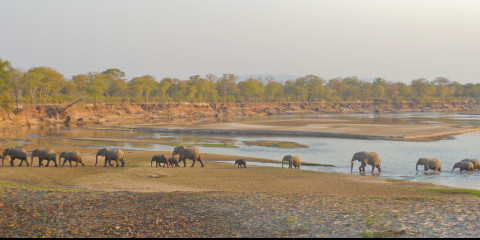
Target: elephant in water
x=44, y=154
x=70, y=156
x=294, y=161
x=110, y=154
x=187, y=152
x=429, y=163
x=15, y=153
x=159, y=159
x=464, y=166
x=370, y=158
x=474, y=161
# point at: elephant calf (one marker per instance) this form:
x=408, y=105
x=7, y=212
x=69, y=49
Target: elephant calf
x=159, y=159
x=464, y=166
x=71, y=156
x=241, y=163
x=173, y=162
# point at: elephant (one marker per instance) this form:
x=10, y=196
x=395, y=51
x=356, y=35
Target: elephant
x=110, y=154
x=241, y=163
x=15, y=153
x=187, y=153
x=159, y=159
x=429, y=163
x=464, y=166
x=294, y=161
x=370, y=158
x=44, y=154
x=70, y=156
x=474, y=161
x=173, y=162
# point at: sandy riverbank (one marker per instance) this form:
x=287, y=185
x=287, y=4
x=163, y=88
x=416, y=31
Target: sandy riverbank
x=347, y=128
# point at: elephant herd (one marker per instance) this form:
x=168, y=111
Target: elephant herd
x=372, y=158
x=49, y=154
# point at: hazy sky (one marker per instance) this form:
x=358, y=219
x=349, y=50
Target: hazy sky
x=399, y=40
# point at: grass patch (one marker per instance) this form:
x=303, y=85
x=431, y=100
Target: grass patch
x=387, y=233
x=317, y=164
x=452, y=191
x=275, y=144
x=219, y=145
x=33, y=187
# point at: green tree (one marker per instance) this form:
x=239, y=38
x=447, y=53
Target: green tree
x=5, y=72
x=315, y=87
x=97, y=86
x=250, y=88
x=43, y=83
x=227, y=88
x=143, y=86
x=273, y=89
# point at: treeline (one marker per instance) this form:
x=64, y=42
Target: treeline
x=44, y=85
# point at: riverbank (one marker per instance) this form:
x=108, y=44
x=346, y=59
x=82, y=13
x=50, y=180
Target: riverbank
x=221, y=201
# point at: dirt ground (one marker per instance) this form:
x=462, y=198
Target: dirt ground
x=222, y=201
x=219, y=200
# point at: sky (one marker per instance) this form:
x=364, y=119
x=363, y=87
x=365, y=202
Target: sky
x=398, y=40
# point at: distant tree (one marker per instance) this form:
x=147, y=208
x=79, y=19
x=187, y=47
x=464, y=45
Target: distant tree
x=273, y=89
x=315, y=87
x=227, y=87
x=250, y=88
x=143, y=86
x=17, y=86
x=5, y=72
x=97, y=86
x=43, y=83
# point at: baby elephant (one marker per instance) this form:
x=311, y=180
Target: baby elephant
x=159, y=159
x=464, y=166
x=241, y=163
x=71, y=156
x=172, y=162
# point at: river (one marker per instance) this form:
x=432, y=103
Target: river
x=398, y=158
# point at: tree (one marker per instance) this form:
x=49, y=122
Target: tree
x=227, y=88
x=97, y=86
x=273, y=89
x=5, y=72
x=251, y=88
x=43, y=83
x=143, y=86
x=315, y=86
x=17, y=85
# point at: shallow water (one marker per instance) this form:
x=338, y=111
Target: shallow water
x=398, y=157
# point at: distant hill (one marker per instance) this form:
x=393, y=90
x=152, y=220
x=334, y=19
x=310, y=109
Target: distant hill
x=277, y=77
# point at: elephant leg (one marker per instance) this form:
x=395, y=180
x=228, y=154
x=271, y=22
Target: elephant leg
x=379, y=169
x=21, y=162
x=123, y=163
x=64, y=161
x=83, y=165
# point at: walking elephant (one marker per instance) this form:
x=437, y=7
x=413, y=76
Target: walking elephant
x=15, y=153
x=71, y=156
x=430, y=163
x=173, y=162
x=294, y=161
x=159, y=159
x=370, y=158
x=474, y=161
x=44, y=154
x=110, y=154
x=464, y=166
x=187, y=153
x=241, y=163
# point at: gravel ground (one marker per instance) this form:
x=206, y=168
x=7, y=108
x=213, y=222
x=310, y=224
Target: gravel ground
x=30, y=212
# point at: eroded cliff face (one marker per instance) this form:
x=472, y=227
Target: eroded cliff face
x=88, y=114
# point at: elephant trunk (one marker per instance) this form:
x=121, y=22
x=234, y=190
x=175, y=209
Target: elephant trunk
x=282, y=163
x=96, y=159
x=31, y=162
x=351, y=168
x=416, y=167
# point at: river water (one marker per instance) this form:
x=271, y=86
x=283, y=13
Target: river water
x=398, y=158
